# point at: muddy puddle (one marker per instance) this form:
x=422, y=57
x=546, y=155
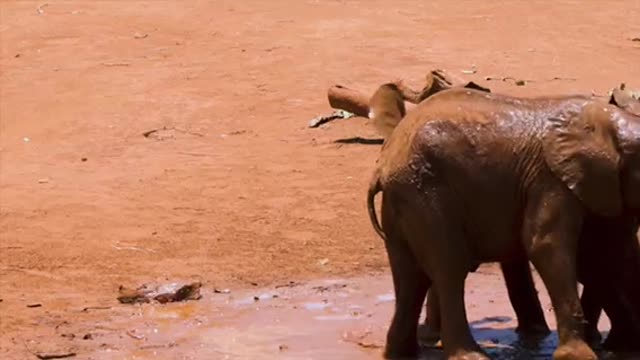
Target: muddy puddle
x=324, y=319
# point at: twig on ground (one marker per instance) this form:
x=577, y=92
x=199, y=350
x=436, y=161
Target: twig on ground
x=112, y=64
x=96, y=308
x=47, y=356
x=135, y=336
x=131, y=248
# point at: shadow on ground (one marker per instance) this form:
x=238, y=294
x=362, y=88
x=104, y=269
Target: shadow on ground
x=359, y=140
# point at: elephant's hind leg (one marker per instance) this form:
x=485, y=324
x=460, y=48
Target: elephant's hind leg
x=410, y=284
x=441, y=248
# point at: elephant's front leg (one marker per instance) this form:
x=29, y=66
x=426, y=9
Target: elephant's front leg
x=551, y=232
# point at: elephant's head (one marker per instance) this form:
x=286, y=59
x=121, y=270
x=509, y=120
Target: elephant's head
x=595, y=150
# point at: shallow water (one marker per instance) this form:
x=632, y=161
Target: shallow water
x=325, y=319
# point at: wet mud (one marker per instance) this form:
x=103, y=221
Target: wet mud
x=322, y=319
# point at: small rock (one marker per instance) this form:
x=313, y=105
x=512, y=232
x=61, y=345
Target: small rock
x=17, y=56
x=221, y=291
x=43, y=181
x=83, y=159
x=283, y=347
x=26, y=139
x=238, y=132
x=256, y=298
x=34, y=305
x=323, y=262
x=521, y=82
x=140, y=35
x=471, y=71
x=40, y=8
x=87, y=337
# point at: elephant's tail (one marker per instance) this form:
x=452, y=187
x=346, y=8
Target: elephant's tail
x=374, y=188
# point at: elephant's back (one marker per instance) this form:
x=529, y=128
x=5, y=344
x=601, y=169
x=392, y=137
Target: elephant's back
x=478, y=116
x=470, y=130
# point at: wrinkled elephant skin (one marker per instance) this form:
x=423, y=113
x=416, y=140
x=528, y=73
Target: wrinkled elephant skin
x=545, y=164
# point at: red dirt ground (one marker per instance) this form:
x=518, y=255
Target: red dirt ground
x=237, y=190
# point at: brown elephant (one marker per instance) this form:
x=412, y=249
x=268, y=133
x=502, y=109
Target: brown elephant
x=470, y=177
x=386, y=112
x=516, y=272
x=517, y=275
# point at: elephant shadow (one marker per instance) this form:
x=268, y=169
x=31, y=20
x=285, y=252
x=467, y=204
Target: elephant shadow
x=505, y=344
x=359, y=140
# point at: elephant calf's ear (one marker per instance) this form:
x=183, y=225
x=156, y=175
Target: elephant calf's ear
x=386, y=108
x=580, y=149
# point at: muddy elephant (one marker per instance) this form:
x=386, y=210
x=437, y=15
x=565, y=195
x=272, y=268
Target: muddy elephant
x=470, y=177
x=516, y=272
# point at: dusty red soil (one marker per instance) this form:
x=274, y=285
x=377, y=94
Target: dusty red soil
x=237, y=190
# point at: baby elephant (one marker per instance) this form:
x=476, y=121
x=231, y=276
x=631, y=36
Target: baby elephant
x=469, y=177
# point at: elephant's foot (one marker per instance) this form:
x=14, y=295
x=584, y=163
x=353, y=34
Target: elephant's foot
x=427, y=335
x=397, y=352
x=619, y=342
x=574, y=350
x=593, y=336
x=469, y=355
x=401, y=347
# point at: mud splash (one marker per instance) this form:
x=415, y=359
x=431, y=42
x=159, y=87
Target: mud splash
x=328, y=319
